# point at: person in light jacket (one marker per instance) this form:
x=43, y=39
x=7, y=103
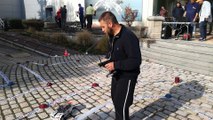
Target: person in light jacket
x=205, y=17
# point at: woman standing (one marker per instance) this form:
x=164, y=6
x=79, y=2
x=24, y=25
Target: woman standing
x=177, y=13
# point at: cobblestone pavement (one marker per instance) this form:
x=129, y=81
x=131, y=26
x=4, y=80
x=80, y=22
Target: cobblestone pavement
x=156, y=96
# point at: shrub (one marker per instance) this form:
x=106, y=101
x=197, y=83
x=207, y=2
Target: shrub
x=129, y=15
x=102, y=45
x=55, y=38
x=16, y=24
x=84, y=38
x=35, y=24
x=59, y=39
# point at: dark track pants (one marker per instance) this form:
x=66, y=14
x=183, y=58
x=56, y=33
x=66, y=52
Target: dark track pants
x=122, y=91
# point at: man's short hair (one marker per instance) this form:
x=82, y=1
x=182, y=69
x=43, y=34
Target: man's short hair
x=108, y=16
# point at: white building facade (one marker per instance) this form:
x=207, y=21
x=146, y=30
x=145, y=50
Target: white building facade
x=37, y=9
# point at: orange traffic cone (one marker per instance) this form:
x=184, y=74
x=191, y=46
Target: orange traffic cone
x=66, y=53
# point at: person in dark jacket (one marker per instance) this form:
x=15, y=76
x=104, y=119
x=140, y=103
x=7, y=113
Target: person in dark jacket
x=125, y=56
x=81, y=15
x=177, y=13
x=191, y=13
x=63, y=16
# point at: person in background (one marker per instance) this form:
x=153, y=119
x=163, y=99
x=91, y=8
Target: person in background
x=210, y=23
x=63, y=16
x=125, y=59
x=90, y=11
x=177, y=13
x=81, y=15
x=58, y=17
x=163, y=12
x=191, y=13
x=205, y=17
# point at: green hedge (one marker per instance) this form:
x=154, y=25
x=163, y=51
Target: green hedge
x=16, y=24
x=35, y=24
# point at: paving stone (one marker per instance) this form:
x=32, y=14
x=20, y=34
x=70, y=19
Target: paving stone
x=182, y=113
x=27, y=109
x=7, y=112
x=161, y=114
x=4, y=107
x=24, y=104
x=110, y=118
x=35, y=118
x=42, y=115
x=135, y=118
x=102, y=115
x=193, y=117
x=9, y=117
x=139, y=114
x=17, y=110
x=112, y=114
x=94, y=117
x=206, y=105
x=156, y=117
x=181, y=117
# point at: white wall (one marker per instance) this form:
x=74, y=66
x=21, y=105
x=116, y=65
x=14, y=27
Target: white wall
x=147, y=10
x=10, y=9
x=34, y=9
x=71, y=5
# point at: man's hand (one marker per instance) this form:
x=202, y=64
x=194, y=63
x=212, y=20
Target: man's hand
x=110, y=66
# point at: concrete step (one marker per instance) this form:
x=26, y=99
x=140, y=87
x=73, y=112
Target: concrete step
x=173, y=64
x=188, y=46
x=178, y=52
x=178, y=60
x=188, y=55
x=179, y=64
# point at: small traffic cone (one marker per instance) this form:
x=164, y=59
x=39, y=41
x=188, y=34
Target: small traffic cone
x=43, y=106
x=66, y=53
x=95, y=85
x=49, y=84
x=177, y=80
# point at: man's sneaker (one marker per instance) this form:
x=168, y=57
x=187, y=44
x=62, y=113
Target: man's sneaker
x=202, y=39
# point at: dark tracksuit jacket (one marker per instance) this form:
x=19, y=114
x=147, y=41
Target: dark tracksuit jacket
x=126, y=55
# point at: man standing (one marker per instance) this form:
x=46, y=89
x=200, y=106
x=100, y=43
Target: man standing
x=191, y=13
x=90, y=11
x=126, y=59
x=63, y=16
x=81, y=15
x=210, y=23
x=205, y=17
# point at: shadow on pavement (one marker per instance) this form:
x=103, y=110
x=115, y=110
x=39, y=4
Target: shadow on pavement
x=164, y=107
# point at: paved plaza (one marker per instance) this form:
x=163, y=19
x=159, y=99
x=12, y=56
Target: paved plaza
x=68, y=80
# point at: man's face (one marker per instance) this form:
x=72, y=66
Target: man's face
x=192, y=1
x=106, y=27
